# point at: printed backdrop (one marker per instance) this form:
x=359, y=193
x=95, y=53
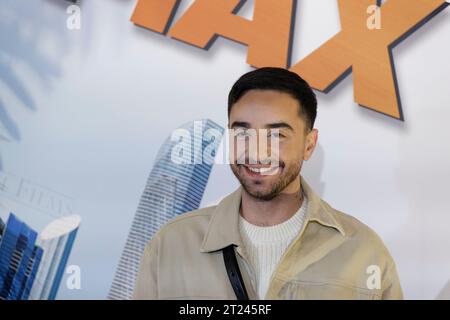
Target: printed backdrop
x=84, y=112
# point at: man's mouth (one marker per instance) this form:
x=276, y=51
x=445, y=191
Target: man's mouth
x=261, y=171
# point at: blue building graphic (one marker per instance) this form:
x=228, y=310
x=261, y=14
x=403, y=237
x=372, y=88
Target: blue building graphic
x=32, y=267
x=31, y=272
x=172, y=188
x=56, y=241
x=19, y=257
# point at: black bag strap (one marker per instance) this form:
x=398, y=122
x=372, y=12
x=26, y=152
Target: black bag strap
x=234, y=274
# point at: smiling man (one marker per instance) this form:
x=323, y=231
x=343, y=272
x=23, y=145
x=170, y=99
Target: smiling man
x=273, y=237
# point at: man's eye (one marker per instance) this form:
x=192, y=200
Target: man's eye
x=276, y=134
x=241, y=133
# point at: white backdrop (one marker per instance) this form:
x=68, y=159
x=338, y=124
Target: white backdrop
x=93, y=106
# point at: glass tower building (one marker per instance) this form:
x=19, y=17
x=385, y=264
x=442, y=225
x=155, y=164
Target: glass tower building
x=175, y=185
x=19, y=258
x=2, y=227
x=56, y=240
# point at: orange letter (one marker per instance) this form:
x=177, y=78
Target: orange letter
x=155, y=15
x=267, y=35
x=367, y=52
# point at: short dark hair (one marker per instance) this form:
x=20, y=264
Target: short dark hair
x=279, y=79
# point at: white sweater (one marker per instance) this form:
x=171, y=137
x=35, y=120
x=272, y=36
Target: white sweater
x=265, y=245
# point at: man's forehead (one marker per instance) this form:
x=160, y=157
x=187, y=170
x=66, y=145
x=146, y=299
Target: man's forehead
x=265, y=109
x=261, y=108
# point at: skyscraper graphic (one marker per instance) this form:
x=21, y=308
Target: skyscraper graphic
x=172, y=188
x=31, y=271
x=29, y=264
x=2, y=227
x=56, y=241
x=19, y=256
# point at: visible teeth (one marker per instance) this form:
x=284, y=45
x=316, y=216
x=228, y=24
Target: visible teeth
x=262, y=170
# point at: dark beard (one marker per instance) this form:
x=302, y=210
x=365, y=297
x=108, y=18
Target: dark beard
x=287, y=177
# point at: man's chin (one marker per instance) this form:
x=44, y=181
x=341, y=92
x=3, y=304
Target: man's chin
x=260, y=193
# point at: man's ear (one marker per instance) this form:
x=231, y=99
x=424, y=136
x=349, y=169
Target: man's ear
x=310, y=143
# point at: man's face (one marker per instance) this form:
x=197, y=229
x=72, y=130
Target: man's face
x=272, y=115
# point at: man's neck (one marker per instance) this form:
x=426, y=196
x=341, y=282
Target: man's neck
x=275, y=211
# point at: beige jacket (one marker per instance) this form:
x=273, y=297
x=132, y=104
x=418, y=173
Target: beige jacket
x=334, y=256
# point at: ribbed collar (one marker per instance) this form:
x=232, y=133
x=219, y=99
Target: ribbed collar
x=281, y=232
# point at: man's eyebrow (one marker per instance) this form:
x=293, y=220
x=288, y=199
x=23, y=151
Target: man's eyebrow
x=274, y=125
x=279, y=125
x=240, y=124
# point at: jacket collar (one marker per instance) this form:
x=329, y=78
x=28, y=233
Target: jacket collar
x=223, y=229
